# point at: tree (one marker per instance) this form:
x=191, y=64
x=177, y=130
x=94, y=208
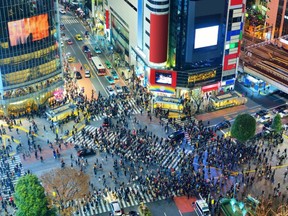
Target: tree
x=30, y=197
x=277, y=124
x=65, y=184
x=197, y=98
x=244, y=127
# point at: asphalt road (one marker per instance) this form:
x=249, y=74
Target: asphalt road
x=74, y=26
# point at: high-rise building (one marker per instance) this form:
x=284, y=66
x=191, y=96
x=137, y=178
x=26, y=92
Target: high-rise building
x=179, y=45
x=30, y=64
x=277, y=17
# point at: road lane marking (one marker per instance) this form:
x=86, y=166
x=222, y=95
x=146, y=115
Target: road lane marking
x=180, y=213
x=89, y=63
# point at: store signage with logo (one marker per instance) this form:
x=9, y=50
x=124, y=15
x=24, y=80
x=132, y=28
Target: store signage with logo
x=201, y=76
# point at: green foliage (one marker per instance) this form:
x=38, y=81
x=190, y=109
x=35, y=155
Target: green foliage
x=244, y=127
x=277, y=124
x=30, y=197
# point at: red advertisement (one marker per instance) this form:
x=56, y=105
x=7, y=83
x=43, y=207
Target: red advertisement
x=28, y=29
x=163, y=77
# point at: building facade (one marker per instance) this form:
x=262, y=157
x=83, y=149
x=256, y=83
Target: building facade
x=277, y=17
x=30, y=63
x=176, y=46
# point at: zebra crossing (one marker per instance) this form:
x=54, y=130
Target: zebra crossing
x=70, y=21
x=135, y=110
x=97, y=205
x=166, y=156
x=13, y=162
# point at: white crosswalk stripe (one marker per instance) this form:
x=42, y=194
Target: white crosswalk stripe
x=135, y=109
x=69, y=21
x=167, y=156
x=102, y=205
x=12, y=164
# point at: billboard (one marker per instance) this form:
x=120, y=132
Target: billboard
x=163, y=78
x=205, y=37
x=28, y=29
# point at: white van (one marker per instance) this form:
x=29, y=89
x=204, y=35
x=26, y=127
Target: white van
x=202, y=208
x=87, y=74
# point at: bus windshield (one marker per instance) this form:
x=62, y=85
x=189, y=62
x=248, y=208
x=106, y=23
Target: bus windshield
x=100, y=68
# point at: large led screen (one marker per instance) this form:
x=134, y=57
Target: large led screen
x=163, y=78
x=205, y=37
x=28, y=29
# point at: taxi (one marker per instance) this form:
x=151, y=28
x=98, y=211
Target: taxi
x=70, y=59
x=78, y=37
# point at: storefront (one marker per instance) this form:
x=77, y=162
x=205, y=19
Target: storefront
x=211, y=88
x=227, y=85
x=168, y=103
x=227, y=100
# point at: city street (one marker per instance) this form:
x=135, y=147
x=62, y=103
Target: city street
x=138, y=156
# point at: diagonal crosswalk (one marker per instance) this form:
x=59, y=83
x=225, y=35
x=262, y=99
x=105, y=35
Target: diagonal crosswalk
x=9, y=181
x=169, y=157
x=166, y=156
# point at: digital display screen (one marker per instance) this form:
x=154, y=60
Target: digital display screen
x=205, y=37
x=163, y=78
x=28, y=29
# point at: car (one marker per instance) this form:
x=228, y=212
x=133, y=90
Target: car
x=69, y=41
x=283, y=113
x=78, y=37
x=78, y=75
x=61, y=43
x=108, y=64
x=261, y=113
x=280, y=108
x=265, y=118
x=110, y=79
x=114, y=74
x=62, y=11
x=97, y=50
x=87, y=74
x=110, y=90
x=132, y=213
x=85, y=49
x=85, y=152
x=125, y=89
x=176, y=136
x=62, y=27
x=118, y=88
x=106, y=122
x=70, y=59
x=115, y=208
x=223, y=125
